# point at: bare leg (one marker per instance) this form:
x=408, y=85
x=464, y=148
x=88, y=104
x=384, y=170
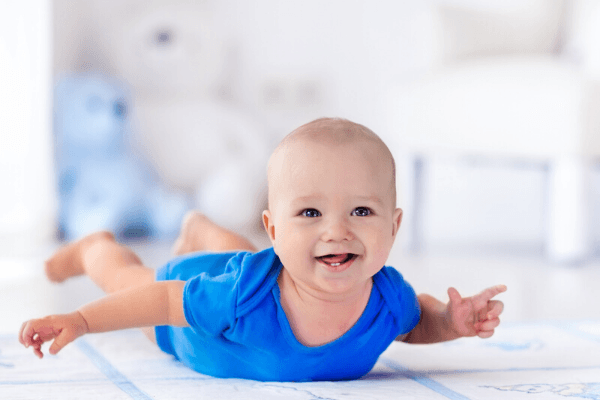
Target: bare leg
x=200, y=233
x=110, y=266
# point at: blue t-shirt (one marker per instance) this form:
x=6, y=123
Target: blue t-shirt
x=238, y=328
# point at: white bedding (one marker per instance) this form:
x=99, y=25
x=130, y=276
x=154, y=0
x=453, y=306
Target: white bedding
x=522, y=361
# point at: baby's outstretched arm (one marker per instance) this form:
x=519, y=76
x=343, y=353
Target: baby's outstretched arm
x=469, y=316
x=158, y=303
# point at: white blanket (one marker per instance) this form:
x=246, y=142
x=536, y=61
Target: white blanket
x=522, y=361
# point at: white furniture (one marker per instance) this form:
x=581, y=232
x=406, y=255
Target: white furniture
x=533, y=104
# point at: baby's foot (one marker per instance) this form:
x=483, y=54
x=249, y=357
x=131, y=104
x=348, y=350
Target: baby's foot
x=193, y=233
x=200, y=233
x=68, y=260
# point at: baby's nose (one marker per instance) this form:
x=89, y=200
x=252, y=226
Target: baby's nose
x=338, y=229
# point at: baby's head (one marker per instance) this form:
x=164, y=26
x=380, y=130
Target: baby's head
x=332, y=134
x=332, y=214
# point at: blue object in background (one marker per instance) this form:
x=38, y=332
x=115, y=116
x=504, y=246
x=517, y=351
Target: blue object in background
x=102, y=184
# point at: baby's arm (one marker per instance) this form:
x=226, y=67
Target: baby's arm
x=159, y=303
x=469, y=316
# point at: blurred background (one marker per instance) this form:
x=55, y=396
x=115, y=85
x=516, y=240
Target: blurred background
x=123, y=115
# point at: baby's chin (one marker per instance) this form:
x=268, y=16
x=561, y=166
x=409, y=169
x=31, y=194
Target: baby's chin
x=344, y=285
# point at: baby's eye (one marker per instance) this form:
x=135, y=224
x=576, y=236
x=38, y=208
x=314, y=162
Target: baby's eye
x=361, y=211
x=311, y=213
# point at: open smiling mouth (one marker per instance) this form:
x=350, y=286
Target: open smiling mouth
x=335, y=260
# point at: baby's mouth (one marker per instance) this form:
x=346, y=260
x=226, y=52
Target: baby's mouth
x=335, y=260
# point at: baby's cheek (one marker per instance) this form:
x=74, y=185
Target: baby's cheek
x=382, y=251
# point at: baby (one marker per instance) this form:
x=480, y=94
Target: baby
x=318, y=305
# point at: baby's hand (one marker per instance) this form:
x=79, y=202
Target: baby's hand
x=62, y=328
x=477, y=315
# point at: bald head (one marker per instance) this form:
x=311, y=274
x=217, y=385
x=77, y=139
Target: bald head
x=330, y=132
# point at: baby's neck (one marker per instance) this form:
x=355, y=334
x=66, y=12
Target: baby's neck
x=318, y=318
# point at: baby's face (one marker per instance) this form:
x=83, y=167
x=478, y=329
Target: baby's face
x=332, y=218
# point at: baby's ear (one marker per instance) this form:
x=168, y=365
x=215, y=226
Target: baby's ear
x=397, y=220
x=268, y=224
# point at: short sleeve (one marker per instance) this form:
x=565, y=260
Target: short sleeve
x=400, y=298
x=209, y=301
x=215, y=299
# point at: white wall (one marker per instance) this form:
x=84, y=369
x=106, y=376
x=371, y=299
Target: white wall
x=332, y=58
x=27, y=195
x=348, y=52
x=353, y=51
x=284, y=63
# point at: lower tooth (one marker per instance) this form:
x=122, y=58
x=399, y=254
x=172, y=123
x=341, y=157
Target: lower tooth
x=335, y=264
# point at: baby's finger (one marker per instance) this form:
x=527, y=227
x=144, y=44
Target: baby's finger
x=494, y=291
x=482, y=298
x=489, y=324
x=495, y=308
x=485, y=334
x=26, y=334
x=21, y=339
x=454, y=296
x=38, y=352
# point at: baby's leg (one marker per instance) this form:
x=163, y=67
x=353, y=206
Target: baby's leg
x=199, y=233
x=110, y=266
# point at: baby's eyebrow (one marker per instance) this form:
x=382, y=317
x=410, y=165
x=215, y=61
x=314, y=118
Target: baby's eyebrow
x=373, y=199
x=303, y=199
